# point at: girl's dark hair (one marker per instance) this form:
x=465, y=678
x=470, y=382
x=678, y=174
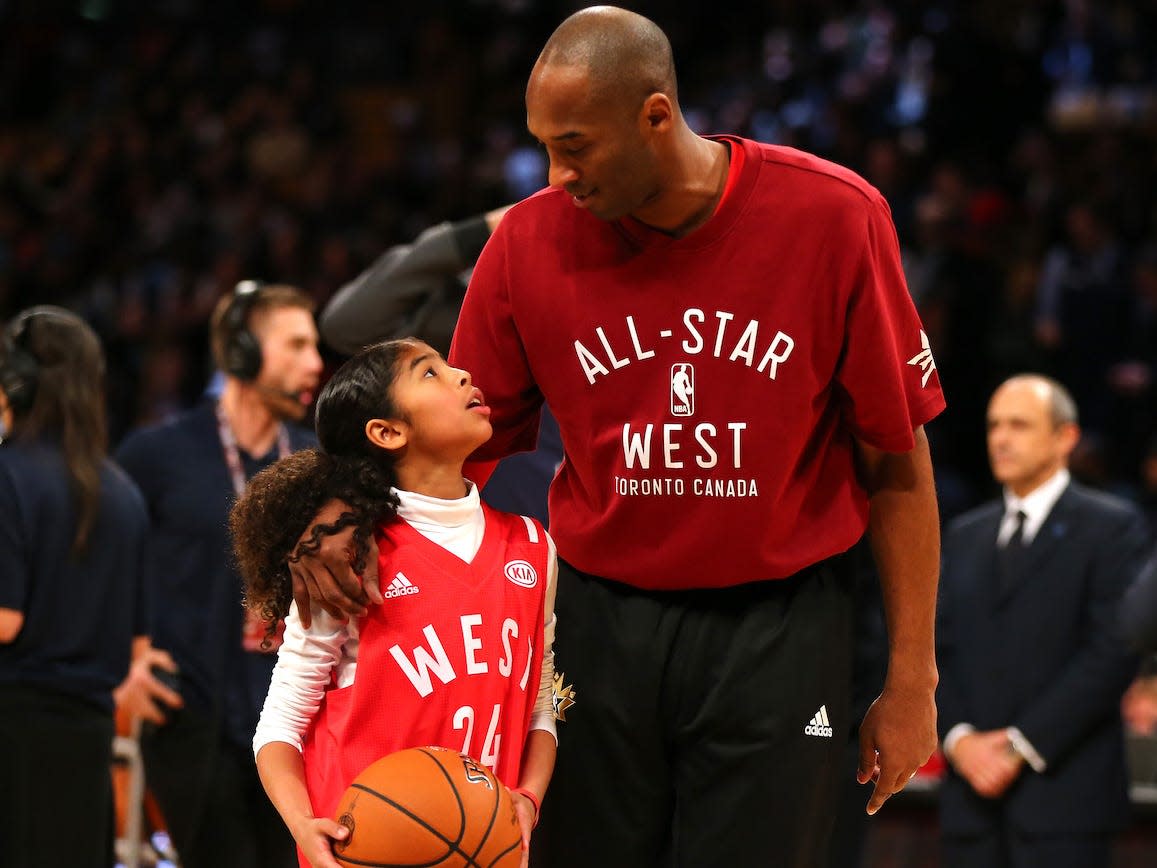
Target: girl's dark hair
x=280, y=503
x=68, y=401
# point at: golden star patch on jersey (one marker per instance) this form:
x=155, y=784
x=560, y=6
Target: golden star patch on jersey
x=563, y=697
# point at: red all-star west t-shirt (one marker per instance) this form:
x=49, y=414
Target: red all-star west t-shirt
x=708, y=388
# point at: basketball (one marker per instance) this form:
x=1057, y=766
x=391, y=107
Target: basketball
x=428, y=806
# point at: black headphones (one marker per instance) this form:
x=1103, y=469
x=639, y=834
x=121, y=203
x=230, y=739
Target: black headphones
x=242, y=349
x=19, y=370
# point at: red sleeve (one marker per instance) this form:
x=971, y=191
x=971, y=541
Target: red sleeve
x=887, y=374
x=487, y=344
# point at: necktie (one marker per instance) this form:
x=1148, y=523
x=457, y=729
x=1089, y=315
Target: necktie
x=1016, y=541
x=1009, y=557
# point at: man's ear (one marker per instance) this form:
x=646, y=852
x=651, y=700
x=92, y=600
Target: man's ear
x=657, y=112
x=1070, y=435
x=389, y=434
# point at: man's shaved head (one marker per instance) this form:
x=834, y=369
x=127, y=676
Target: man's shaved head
x=626, y=56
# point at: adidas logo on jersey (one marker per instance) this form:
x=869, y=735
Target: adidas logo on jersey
x=820, y=725
x=400, y=587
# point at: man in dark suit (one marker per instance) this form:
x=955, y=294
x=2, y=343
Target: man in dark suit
x=1139, y=610
x=1032, y=667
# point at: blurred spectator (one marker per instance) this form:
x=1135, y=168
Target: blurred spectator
x=1138, y=610
x=1148, y=495
x=71, y=593
x=1029, y=705
x=1082, y=308
x=1138, y=617
x=1133, y=379
x=198, y=757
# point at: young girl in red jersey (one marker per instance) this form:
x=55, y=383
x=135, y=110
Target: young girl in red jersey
x=457, y=655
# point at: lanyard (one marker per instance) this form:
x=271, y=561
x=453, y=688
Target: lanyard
x=252, y=628
x=233, y=456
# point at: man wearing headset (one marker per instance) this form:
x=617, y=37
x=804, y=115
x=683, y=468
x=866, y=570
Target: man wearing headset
x=199, y=725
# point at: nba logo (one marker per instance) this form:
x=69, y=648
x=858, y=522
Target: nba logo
x=682, y=389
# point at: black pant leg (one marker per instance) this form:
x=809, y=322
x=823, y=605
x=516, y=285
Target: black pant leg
x=1075, y=851
x=610, y=798
x=55, y=781
x=982, y=851
x=209, y=792
x=763, y=718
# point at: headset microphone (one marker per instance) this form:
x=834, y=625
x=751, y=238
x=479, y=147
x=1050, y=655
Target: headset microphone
x=279, y=393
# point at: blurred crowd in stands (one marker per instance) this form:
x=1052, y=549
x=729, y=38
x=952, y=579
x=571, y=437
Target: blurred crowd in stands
x=154, y=153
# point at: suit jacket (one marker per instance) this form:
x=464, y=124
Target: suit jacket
x=1042, y=653
x=1139, y=610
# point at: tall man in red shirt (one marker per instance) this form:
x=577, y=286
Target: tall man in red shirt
x=724, y=333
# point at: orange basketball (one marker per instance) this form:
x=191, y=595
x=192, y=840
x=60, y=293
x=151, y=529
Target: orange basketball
x=428, y=806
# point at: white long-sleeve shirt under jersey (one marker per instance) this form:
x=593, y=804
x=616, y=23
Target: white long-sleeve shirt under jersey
x=307, y=658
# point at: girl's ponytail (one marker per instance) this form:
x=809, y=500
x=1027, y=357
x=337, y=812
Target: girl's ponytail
x=280, y=503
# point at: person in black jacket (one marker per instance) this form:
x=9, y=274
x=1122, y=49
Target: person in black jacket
x=412, y=289
x=71, y=593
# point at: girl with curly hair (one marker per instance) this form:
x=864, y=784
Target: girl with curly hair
x=457, y=655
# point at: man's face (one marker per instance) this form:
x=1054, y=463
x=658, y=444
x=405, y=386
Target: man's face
x=597, y=149
x=291, y=366
x=1025, y=448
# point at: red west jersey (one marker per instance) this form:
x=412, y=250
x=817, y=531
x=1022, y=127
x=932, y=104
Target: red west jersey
x=452, y=657
x=708, y=388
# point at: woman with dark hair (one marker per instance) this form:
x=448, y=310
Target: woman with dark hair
x=71, y=542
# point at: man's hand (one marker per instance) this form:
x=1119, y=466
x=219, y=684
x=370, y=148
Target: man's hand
x=896, y=738
x=1139, y=706
x=987, y=761
x=326, y=577
x=141, y=694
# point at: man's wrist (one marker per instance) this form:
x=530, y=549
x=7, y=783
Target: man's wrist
x=953, y=736
x=910, y=669
x=1024, y=749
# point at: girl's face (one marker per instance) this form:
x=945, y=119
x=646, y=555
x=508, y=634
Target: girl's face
x=445, y=416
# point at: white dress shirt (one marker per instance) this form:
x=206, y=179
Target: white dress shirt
x=1036, y=506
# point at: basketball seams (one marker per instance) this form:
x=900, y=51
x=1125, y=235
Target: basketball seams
x=454, y=846
x=457, y=796
x=498, y=859
x=490, y=825
x=345, y=860
x=469, y=810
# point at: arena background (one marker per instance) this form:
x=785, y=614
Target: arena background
x=154, y=153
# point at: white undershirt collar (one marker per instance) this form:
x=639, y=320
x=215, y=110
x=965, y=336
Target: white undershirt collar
x=456, y=525
x=1036, y=505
